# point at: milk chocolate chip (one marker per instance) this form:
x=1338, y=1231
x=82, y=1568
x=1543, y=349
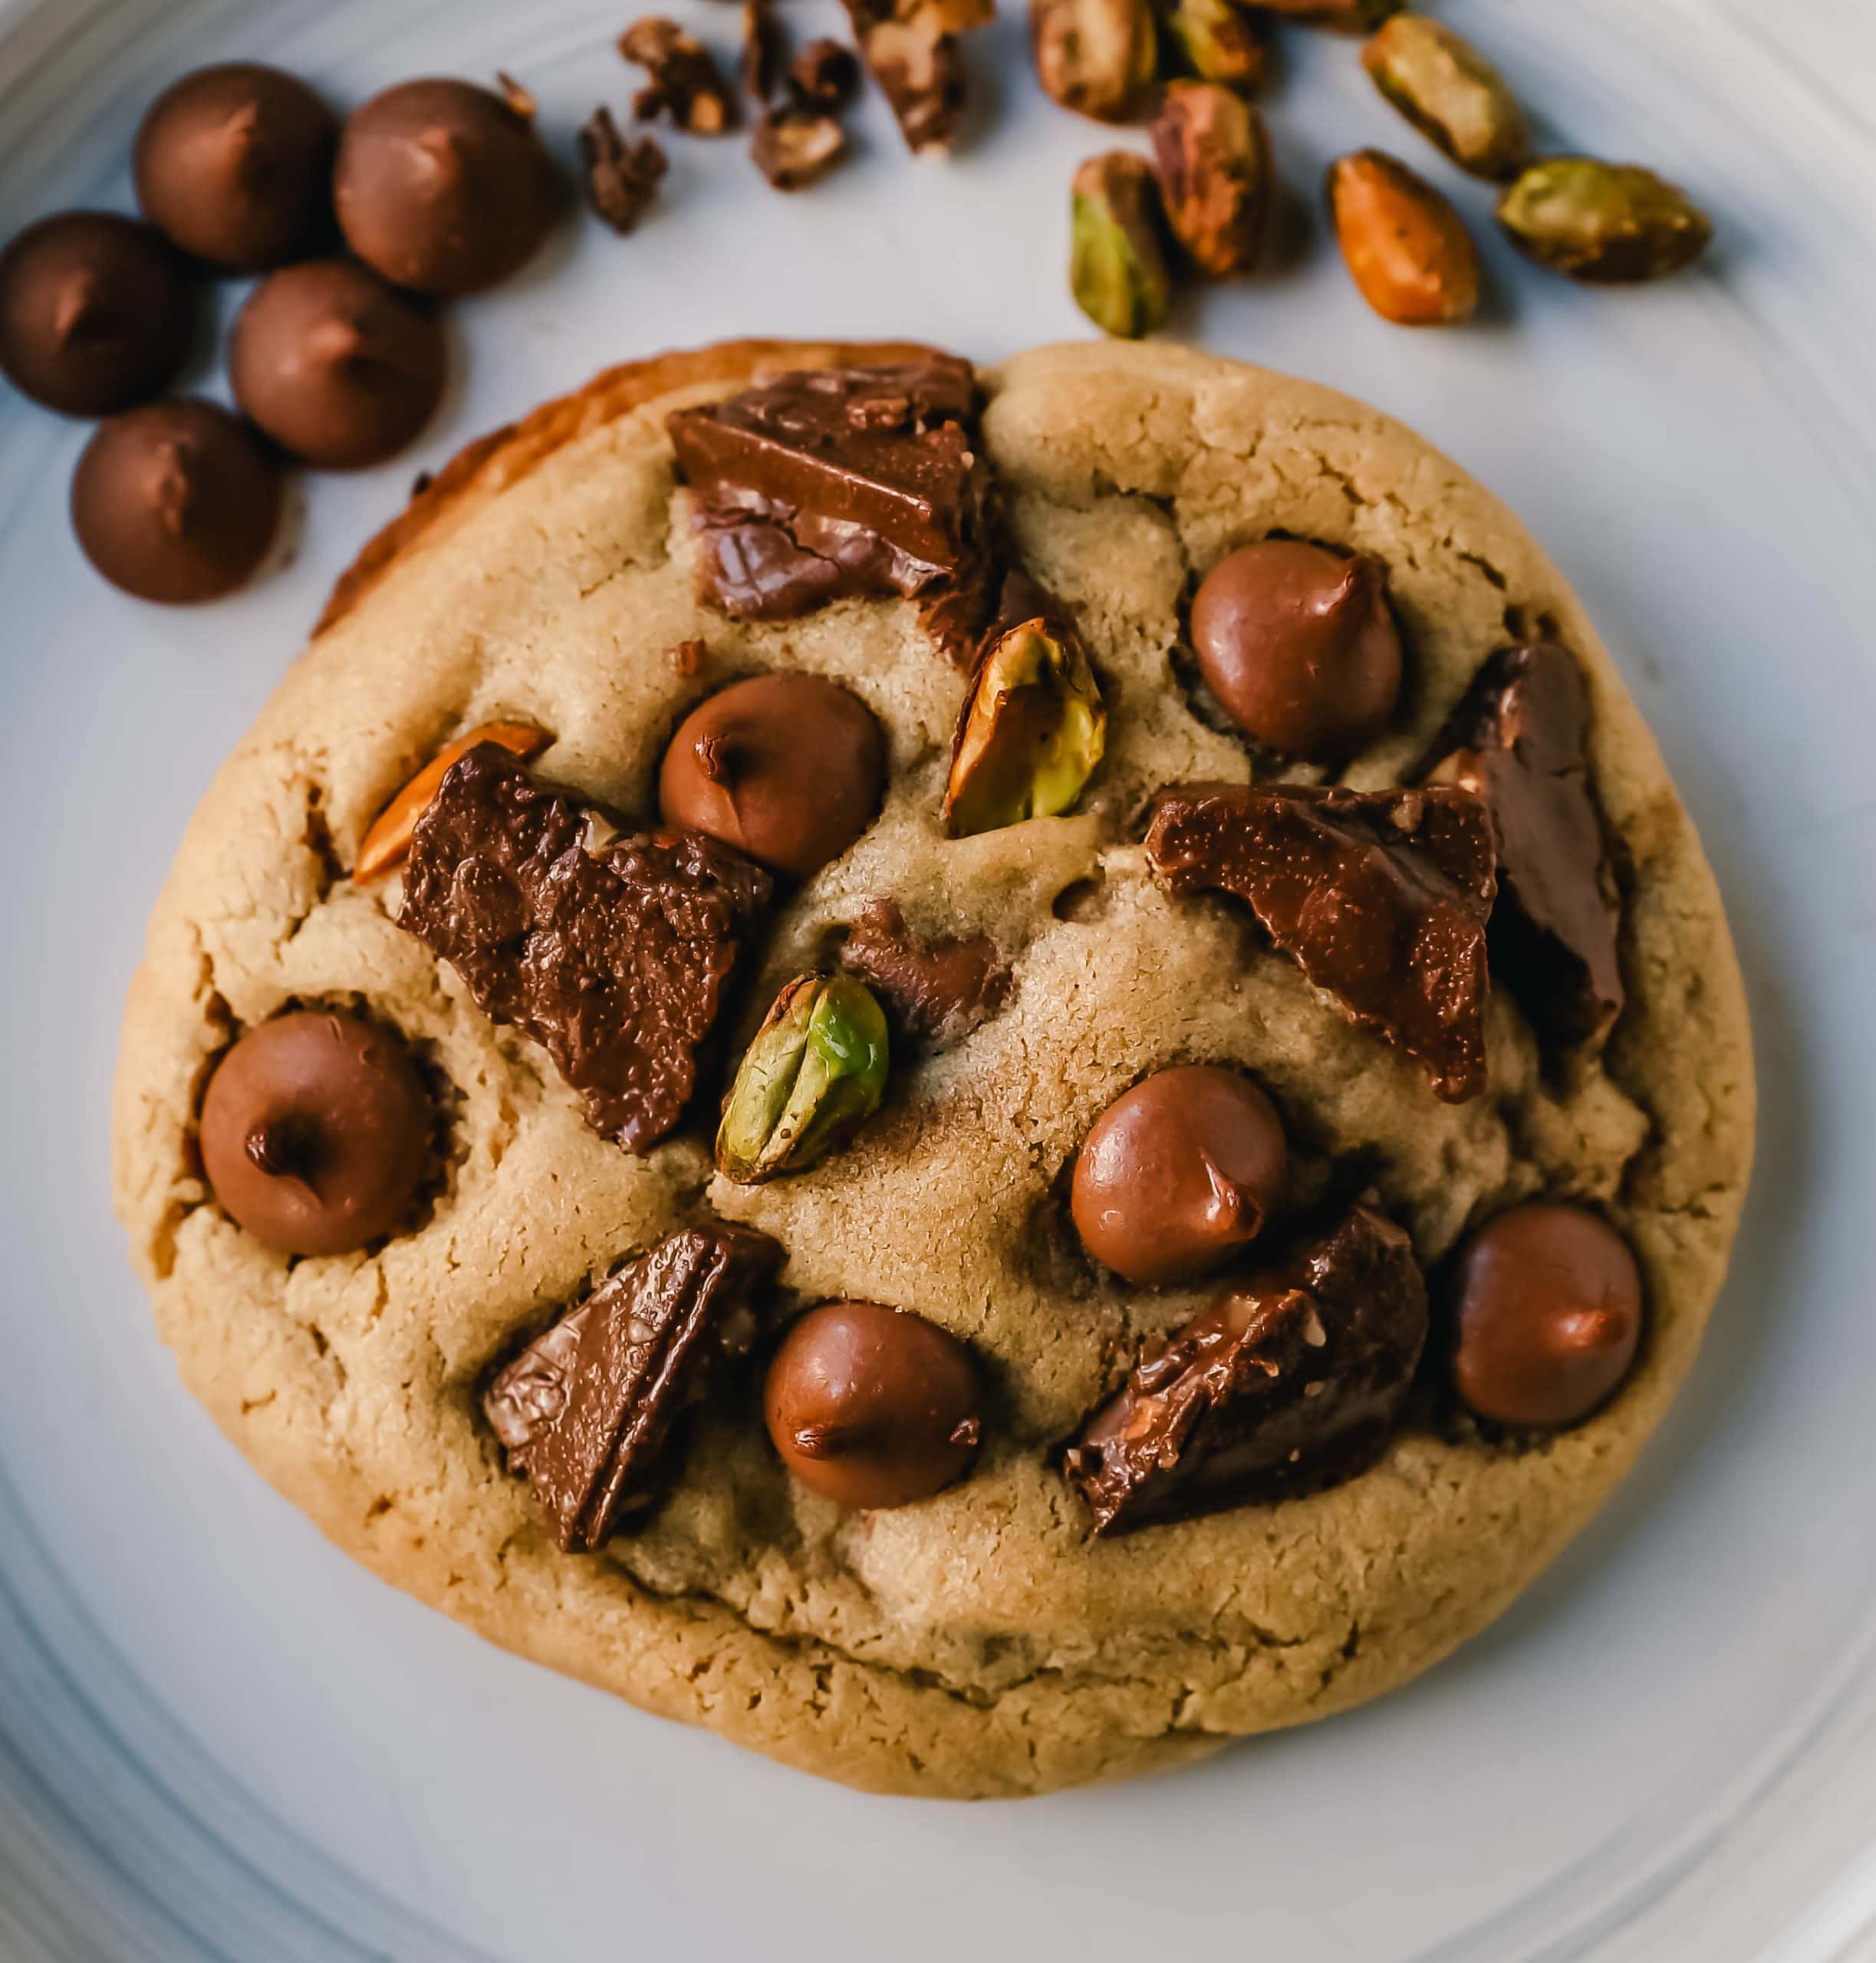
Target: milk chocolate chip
x=1300, y=647
x=1178, y=1174
x=871, y=1406
x=1548, y=1315
x=787, y=768
x=316, y=1129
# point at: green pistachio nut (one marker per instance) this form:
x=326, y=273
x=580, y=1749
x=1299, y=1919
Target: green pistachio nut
x=1212, y=155
x=1032, y=730
x=1117, y=266
x=1450, y=93
x=1612, y=223
x=813, y=1075
x=1217, y=40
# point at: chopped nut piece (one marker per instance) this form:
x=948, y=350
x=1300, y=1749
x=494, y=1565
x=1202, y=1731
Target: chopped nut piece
x=1032, y=730
x=1218, y=41
x=938, y=990
x=1610, y=223
x=813, y=1075
x=765, y=51
x=685, y=83
x=794, y=148
x=387, y=844
x=1450, y=93
x=519, y=99
x=1116, y=268
x=1096, y=57
x=911, y=48
x=622, y=178
x=823, y=77
x=1212, y=153
x=1407, y=249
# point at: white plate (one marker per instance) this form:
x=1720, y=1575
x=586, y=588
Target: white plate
x=217, y=1738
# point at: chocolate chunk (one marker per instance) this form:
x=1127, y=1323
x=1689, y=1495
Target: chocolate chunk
x=1518, y=738
x=828, y=483
x=1381, y=897
x=621, y=178
x=685, y=83
x=586, y=1411
x=1290, y=1383
x=611, y=948
x=937, y=991
x=823, y=77
x=911, y=48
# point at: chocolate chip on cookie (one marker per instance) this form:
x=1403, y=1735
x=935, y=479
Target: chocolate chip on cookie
x=938, y=991
x=831, y=483
x=1289, y=1383
x=316, y=1129
x=612, y=948
x=787, y=768
x=1299, y=646
x=871, y=1406
x=1178, y=1175
x=1381, y=897
x=586, y=1410
x=1519, y=739
x=1547, y=1309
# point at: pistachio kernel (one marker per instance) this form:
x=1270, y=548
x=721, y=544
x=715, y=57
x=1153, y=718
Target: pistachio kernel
x=1407, y=249
x=1117, y=266
x=1610, y=223
x=1212, y=155
x=1217, y=41
x=1032, y=730
x=1098, y=57
x=1448, y=90
x=813, y=1075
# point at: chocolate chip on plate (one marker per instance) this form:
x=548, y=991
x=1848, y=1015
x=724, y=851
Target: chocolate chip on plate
x=316, y=1129
x=825, y=483
x=1547, y=1314
x=175, y=502
x=234, y=164
x=96, y=312
x=1291, y=1381
x=871, y=1406
x=586, y=1410
x=1519, y=738
x=443, y=187
x=1299, y=646
x=786, y=768
x=1381, y=898
x=1178, y=1175
x=612, y=948
x=339, y=368
x=937, y=991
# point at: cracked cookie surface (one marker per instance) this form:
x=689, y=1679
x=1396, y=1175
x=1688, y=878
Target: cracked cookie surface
x=977, y=1643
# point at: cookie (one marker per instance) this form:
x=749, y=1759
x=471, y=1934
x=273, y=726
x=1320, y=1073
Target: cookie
x=867, y=1458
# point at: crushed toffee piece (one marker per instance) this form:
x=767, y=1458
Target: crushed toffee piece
x=937, y=991
x=585, y=1411
x=621, y=177
x=830, y=483
x=685, y=83
x=1381, y=897
x=611, y=948
x=1519, y=739
x=1287, y=1384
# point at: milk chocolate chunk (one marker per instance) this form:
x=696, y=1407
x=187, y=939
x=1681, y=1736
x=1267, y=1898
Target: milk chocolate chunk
x=937, y=991
x=586, y=1411
x=1519, y=738
x=611, y=948
x=1290, y=1383
x=831, y=483
x=1381, y=898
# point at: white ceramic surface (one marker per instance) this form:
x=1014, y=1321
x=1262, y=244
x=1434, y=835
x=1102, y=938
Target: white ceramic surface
x=220, y=1739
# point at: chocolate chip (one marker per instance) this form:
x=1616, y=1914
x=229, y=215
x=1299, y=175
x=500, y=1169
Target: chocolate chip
x=1291, y=1382
x=1519, y=739
x=1381, y=897
x=621, y=178
x=586, y=1411
x=937, y=991
x=612, y=948
x=819, y=484
x=685, y=83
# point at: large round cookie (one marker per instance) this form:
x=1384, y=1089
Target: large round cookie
x=980, y=1642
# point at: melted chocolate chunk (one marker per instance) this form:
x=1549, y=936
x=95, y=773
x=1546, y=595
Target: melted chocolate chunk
x=586, y=1410
x=611, y=950
x=1288, y=1384
x=831, y=483
x=1380, y=897
x=1518, y=738
x=938, y=991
